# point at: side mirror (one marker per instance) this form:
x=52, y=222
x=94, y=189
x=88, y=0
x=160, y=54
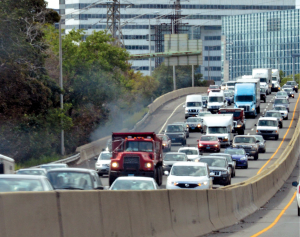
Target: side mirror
x=95, y=158
x=166, y=173
x=230, y=165
x=255, y=125
x=295, y=183
x=257, y=141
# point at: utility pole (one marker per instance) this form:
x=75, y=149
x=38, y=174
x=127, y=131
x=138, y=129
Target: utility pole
x=61, y=87
x=113, y=21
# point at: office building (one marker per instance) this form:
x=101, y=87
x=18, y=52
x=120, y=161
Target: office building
x=200, y=19
x=260, y=40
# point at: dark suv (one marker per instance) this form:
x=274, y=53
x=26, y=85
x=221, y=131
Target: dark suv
x=176, y=132
x=218, y=168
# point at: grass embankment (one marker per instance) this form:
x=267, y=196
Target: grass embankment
x=289, y=78
x=132, y=120
x=35, y=162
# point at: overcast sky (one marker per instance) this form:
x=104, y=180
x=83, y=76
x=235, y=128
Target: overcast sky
x=55, y=3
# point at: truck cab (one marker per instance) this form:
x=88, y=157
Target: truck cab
x=265, y=77
x=7, y=165
x=238, y=119
x=216, y=100
x=220, y=125
x=136, y=154
x=193, y=105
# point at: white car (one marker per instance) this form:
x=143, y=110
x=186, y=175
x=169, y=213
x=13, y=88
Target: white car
x=268, y=127
x=32, y=171
x=103, y=163
x=282, y=94
x=282, y=110
x=296, y=184
x=191, y=152
x=134, y=183
x=187, y=175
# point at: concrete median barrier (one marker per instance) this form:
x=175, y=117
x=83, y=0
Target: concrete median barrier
x=29, y=214
x=81, y=213
x=214, y=209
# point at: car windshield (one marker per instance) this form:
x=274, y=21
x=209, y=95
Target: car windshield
x=274, y=78
x=236, y=113
x=132, y=185
x=243, y=98
x=270, y=123
x=139, y=146
x=17, y=185
x=217, y=130
x=287, y=89
x=214, y=162
x=262, y=90
x=263, y=80
x=174, y=157
x=104, y=156
x=281, y=93
x=163, y=138
x=235, y=151
x=279, y=108
x=189, y=171
x=273, y=114
x=174, y=128
x=259, y=138
x=213, y=87
x=230, y=84
x=50, y=167
x=291, y=83
x=204, y=98
x=244, y=140
x=190, y=119
x=281, y=101
x=189, y=151
x=215, y=99
x=193, y=104
x=70, y=180
x=31, y=172
x=208, y=138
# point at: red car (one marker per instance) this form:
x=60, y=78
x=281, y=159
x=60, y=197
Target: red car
x=166, y=142
x=213, y=87
x=209, y=143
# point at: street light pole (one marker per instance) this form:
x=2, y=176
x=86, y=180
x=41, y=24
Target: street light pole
x=61, y=87
x=149, y=48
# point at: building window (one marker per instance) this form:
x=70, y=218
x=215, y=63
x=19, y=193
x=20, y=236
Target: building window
x=209, y=48
x=213, y=58
x=212, y=68
x=273, y=24
x=212, y=38
x=61, y=1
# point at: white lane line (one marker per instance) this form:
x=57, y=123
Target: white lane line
x=252, y=129
x=170, y=117
x=248, y=134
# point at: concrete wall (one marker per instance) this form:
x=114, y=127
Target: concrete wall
x=93, y=149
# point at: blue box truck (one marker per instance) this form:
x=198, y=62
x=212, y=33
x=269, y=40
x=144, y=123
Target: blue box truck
x=247, y=96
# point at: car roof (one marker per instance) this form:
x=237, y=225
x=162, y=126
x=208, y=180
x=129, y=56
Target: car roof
x=21, y=176
x=267, y=118
x=220, y=154
x=217, y=157
x=188, y=147
x=62, y=165
x=175, y=153
x=237, y=148
x=42, y=169
x=248, y=135
x=135, y=178
x=71, y=170
x=188, y=163
x=272, y=110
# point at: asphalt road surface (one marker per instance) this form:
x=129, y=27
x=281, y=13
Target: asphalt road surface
x=174, y=112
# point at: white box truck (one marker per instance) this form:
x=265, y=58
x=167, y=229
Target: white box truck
x=265, y=77
x=216, y=101
x=220, y=125
x=275, y=80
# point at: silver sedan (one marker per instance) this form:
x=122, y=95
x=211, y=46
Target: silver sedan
x=262, y=143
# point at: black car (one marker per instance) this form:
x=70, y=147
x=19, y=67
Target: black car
x=176, y=132
x=218, y=168
x=187, y=132
x=263, y=94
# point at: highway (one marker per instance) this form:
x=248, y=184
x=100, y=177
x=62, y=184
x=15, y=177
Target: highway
x=174, y=112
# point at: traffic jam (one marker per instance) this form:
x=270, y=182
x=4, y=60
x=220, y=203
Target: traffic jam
x=207, y=147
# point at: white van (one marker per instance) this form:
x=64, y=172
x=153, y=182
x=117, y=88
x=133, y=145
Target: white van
x=7, y=165
x=193, y=105
x=216, y=100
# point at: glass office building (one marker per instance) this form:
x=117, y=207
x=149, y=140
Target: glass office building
x=260, y=40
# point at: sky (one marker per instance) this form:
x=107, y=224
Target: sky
x=55, y=3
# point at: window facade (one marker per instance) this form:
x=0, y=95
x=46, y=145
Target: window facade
x=261, y=40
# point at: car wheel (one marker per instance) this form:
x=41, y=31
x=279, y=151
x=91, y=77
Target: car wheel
x=298, y=210
x=111, y=179
x=229, y=181
x=232, y=174
x=256, y=156
x=265, y=100
x=264, y=151
x=288, y=110
x=280, y=126
x=287, y=117
x=246, y=167
x=276, y=138
x=159, y=175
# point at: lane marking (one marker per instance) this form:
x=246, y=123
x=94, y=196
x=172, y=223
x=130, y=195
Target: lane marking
x=252, y=129
x=170, y=117
x=277, y=218
x=282, y=138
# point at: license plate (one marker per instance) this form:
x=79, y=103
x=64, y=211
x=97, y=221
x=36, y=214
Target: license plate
x=130, y=174
x=208, y=148
x=173, y=139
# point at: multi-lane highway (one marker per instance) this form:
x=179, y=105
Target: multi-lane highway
x=174, y=112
